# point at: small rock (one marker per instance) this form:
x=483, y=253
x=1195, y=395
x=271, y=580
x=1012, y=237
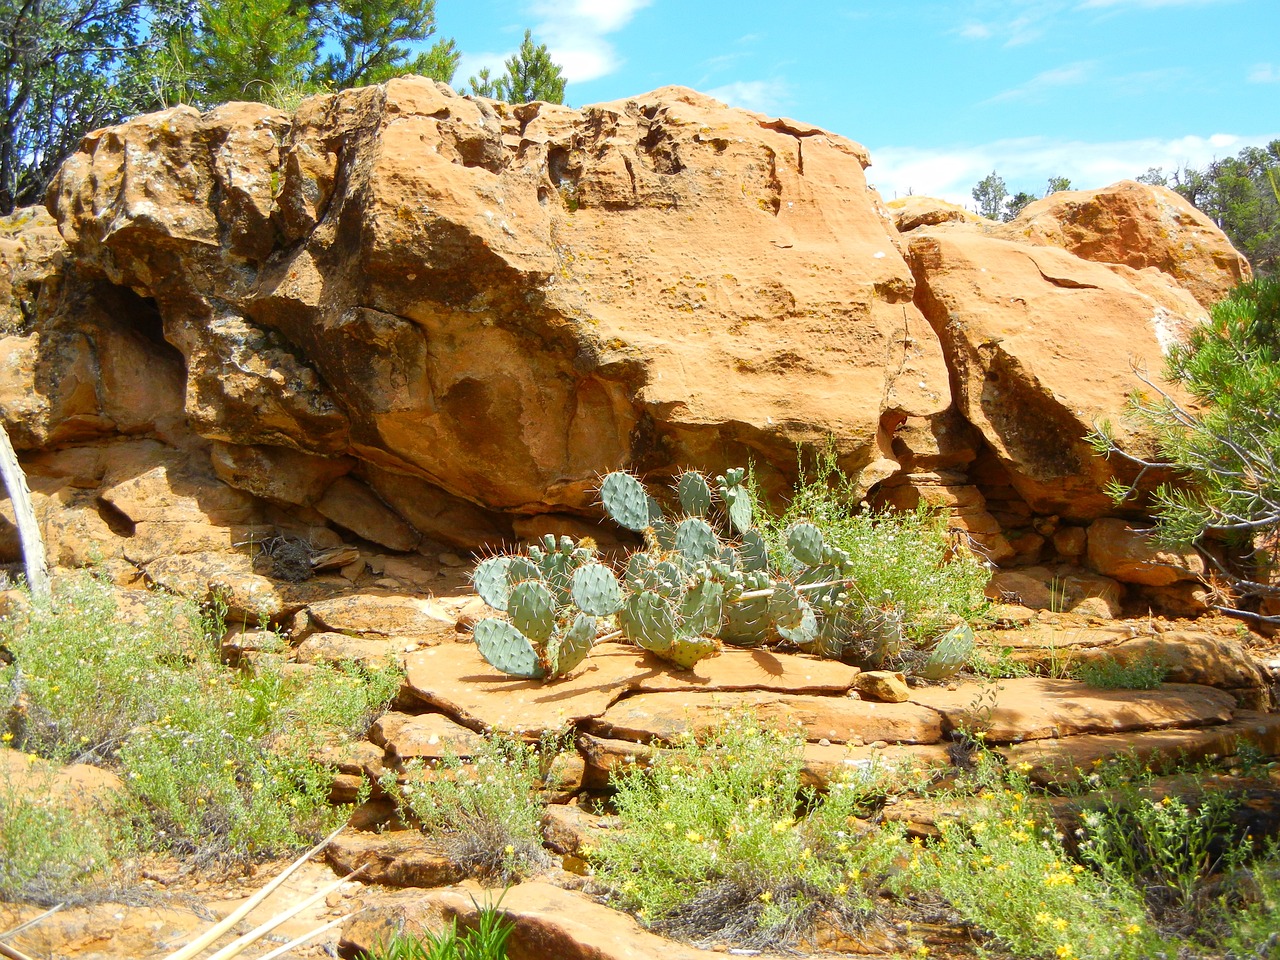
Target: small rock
x=451, y=560
x=885, y=686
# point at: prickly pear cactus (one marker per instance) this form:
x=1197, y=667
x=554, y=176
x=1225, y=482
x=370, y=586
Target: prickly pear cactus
x=694, y=493
x=747, y=620
x=696, y=541
x=950, y=654
x=627, y=502
x=552, y=595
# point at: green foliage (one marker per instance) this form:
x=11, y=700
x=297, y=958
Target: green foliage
x=1239, y=195
x=1004, y=869
x=66, y=67
x=1016, y=203
x=715, y=841
x=1167, y=848
x=1057, y=185
x=483, y=812
x=375, y=38
x=486, y=942
x=1226, y=450
x=216, y=762
x=243, y=49
x=1107, y=673
x=48, y=849
x=989, y=193
x=531, y=75
x=903, y=563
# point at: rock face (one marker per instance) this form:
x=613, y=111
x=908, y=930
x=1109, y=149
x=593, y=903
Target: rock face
x=406, y=317
x=505, y=302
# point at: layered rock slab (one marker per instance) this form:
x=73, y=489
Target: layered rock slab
x=456, y=680
x=1036, y=708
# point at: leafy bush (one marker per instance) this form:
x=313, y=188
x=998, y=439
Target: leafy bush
x=484, y=811
x=716, y=842
x=216, y=762
x=1107, y=673
x=905, y=561
x=1225, y=450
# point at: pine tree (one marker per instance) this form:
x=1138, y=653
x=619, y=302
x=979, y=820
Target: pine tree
x=989, y=194
x=531, y=75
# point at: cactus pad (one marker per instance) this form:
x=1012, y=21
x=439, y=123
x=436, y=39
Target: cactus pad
x=627, y=502
x=695, y=540
x=951, y=653
x=685, y=652
x=508, y=650
x=596, y=590
x=694, y=493
x=567, y=652
x=491, y=583
x=701, y=608
x=533, y=610
x=806, y=544
x=648, y=620
x=737, y=499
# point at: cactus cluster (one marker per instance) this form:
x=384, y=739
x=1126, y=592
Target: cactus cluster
x=705, y=578
x=553, y=595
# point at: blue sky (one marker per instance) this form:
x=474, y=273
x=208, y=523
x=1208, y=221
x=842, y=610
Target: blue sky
x=940, y=92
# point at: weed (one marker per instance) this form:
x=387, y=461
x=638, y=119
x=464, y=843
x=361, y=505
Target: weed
x=46, y=848
x=1108, y=673
x=486, y=942
x=1004, y=869
x=716, y=845
x=997, y=663
x=216, y=762
x=484, y=812
x=1166, y=846
x=904, y=561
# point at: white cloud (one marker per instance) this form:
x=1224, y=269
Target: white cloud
x=1070, y=75
x=1027, y=163
x=575, y=33
x=976, y=31
x=1264, y=73
x=763, y=96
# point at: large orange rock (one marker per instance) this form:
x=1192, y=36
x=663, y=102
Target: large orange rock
x=507, y=301
x=1042, y=347
x=1140, y=226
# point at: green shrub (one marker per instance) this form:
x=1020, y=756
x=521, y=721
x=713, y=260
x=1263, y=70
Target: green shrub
x=484, y=812
x=716, y=843
x=904, y=561
x=1004, y=869
x=1166, y=847
x=216, y=761
x=1107, y=673
x=47, y=849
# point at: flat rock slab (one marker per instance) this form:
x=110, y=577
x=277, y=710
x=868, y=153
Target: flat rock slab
x=547, y=922
x=398, y=858
x=837, y=719
x=1035, y=708
x=1057, y=761
x=822, y=764
x=426, y=736
x=386, y=615
x=333, y=648
x=455, y=679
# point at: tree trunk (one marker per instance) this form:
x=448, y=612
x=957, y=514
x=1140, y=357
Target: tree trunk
x=15, y=482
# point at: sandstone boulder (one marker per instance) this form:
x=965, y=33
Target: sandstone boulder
x=1040, y=344
x=1118, y=549
x=1138, y=225
x=504, y=302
